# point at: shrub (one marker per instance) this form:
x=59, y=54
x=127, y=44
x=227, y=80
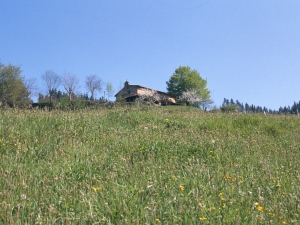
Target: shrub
x=229, y=108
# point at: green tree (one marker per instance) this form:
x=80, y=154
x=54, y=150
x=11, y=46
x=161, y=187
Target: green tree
x=13, y=91
x=109, y=89
x=185, y=79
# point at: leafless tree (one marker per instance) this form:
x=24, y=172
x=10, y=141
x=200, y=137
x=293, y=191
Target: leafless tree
x=52, y=82
x=31, y=87
x=93, y=83
x=70, y=83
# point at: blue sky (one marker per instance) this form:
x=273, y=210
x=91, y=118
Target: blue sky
x=247, y=50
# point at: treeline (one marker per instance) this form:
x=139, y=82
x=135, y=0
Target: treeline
x=231, y=105
x=58, y=95
x=16, y=91
x=61, y=100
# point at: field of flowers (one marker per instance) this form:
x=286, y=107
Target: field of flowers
x=159, y=165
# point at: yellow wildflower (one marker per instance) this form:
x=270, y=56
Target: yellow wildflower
x=260, y=208
x=181, y=187
x=203, y=218
x=96, y=188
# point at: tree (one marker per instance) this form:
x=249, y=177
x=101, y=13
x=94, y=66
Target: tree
x=225, y=102
x=52, y=82
x=31, y=87
x=206, y=103
x=93, y=83
x=185, y=79
x=109, y=89
x=70, y=83
x=148, y=95
x=12, y=87
x=247, y=107
x=191, y=97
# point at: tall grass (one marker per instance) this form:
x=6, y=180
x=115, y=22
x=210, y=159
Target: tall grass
x=160, y=165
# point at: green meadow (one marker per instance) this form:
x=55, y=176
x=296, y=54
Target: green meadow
x=148, y=165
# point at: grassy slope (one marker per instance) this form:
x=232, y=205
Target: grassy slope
x=165, y=165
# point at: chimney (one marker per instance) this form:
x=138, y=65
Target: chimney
x=126, y=84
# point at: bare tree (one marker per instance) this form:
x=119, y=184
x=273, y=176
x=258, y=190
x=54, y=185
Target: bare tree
x=52, y=82
x=93, y=84
x=70, y=83
x=31, y=87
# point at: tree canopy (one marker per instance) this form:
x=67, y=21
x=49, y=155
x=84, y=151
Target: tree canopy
x=185, y=79
x=13, y=91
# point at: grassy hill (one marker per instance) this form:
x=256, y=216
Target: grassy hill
x=159, y=165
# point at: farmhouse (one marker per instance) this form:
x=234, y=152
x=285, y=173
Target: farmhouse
x=131, y=92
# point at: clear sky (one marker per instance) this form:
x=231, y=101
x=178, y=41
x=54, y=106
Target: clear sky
x=247, y=50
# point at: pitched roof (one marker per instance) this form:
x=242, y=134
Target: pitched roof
x=140, y=86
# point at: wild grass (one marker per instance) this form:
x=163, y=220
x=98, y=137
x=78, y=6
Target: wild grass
x=160, y=165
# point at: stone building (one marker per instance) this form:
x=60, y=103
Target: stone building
x=131, y=92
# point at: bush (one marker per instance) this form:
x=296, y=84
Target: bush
x=229, y=108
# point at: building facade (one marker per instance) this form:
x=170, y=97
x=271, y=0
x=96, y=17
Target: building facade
x=131, y=92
